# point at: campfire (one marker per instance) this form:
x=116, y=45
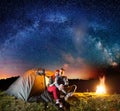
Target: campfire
x=101, y=87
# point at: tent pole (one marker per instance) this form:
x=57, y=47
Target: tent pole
x=44, y=78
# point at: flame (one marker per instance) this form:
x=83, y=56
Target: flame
x=101, y=89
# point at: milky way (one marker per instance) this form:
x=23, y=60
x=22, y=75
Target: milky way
x=76, y=35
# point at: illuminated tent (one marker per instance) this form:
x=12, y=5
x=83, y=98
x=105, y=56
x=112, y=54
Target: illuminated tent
x=30, y=84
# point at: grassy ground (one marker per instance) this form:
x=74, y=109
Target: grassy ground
x=79, y=102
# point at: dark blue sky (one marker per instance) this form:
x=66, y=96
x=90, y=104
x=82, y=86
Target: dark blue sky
x=79, y=35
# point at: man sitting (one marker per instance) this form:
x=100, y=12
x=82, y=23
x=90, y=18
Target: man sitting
x=62, y=83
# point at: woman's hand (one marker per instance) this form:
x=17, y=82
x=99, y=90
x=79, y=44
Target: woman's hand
x=61, y=87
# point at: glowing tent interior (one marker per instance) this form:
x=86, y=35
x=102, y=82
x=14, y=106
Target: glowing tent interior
x=30, y=84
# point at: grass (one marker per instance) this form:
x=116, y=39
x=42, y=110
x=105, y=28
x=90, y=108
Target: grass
x=94, y=102
x=79, y=102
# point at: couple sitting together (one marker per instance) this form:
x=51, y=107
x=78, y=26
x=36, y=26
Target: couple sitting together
x=59, y=84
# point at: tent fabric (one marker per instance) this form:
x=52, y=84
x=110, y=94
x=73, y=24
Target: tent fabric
x=30, y=84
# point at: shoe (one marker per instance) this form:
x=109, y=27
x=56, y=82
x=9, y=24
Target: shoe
x=60, y=105
x=57, y=102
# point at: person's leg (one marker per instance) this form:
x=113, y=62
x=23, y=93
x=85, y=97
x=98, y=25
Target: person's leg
x=55, y=92
x=56, y=95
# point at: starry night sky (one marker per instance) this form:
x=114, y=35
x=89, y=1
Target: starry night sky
x=79, y=35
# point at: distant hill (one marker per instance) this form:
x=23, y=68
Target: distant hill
x=112, y=75
x=83, y=85
x=5, y=83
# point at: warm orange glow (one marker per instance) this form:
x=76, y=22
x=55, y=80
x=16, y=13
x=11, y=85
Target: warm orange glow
x=101, y=89
x=5, y=76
